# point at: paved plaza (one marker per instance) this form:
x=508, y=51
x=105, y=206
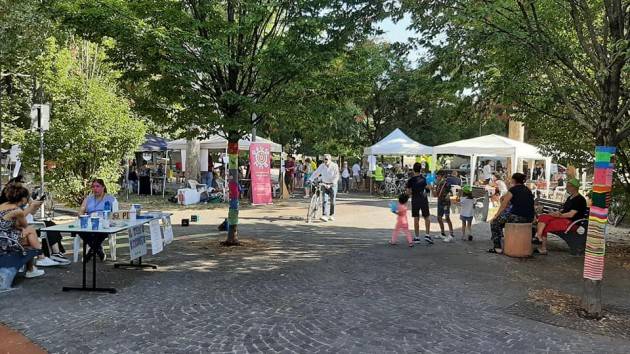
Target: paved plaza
x=325, y=287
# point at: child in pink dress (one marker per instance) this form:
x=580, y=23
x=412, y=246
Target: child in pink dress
x=401, y=222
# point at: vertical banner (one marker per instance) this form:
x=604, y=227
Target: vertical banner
x=259, y=158
x=168, y=229
x=137, y=243
x=157, y=243
x=598, y=218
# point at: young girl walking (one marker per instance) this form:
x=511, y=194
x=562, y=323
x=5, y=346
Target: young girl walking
x=401, y=222
x=467, y=204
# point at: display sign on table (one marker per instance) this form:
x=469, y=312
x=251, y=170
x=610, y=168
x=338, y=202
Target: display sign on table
x=260, y=164
x=168, y=229
x=157, y=244
x=137, y=243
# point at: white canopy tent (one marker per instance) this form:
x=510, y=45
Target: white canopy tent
x=494, y=146
x=217, y=143
x=398, y=143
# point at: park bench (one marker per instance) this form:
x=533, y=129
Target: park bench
x=11, y=263
x=575, y=234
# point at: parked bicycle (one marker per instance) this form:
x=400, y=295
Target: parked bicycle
x=618, y=210
x=317, y=195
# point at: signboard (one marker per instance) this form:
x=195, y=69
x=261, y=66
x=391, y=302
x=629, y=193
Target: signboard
x=259, y=162
x=167, y=229
x=157, y=244
x=40, y=116
x=137, y=243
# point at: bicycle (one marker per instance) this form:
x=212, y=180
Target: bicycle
x=316, y=201
x=617, y=211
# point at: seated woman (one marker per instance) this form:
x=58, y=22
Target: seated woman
x=96, y=203
x=13, y=224
x=29, y=231
x=521, y=201
x=573, y=209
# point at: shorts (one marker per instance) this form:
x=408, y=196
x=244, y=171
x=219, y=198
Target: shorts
x=466, y=218
x=443, y=209
x=420, y=205
x=553, y=224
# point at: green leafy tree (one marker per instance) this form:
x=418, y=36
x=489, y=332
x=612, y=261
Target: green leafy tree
x=365, y=93
x=92, y=127
x=560, y=64
x=205, y=67
x=23, y=29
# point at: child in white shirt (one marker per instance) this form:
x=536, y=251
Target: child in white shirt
x=467, y=204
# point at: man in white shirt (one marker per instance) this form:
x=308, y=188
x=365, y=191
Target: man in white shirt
x=356, y=175
x=329, y=173
x=487, y=172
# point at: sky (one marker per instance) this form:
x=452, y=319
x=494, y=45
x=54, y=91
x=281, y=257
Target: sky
x=398, y=32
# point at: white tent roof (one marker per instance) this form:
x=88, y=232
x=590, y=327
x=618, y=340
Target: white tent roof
x=216, y=142
x=398, y=143
x=490, y=145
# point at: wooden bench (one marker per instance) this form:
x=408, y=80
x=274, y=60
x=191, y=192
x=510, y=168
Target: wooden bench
x=575, y=234
x=11, y=263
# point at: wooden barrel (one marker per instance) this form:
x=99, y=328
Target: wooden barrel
x=518, y=240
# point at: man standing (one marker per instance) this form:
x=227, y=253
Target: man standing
x=418, y=188
x=379, y=176
x=454, y=179
x=487, y=172
x=443, y=193
x=329, y=172
x=289, y=167
x=345, y=178
x=356, y=175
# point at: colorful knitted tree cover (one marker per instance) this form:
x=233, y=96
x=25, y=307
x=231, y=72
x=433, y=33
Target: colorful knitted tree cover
x=233, y=188
x=598, y=218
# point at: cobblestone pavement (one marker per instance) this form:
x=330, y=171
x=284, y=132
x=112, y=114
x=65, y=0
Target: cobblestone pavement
x=326, y=287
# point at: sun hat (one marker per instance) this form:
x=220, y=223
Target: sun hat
x=574, y=182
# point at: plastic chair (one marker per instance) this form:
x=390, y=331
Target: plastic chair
x=199, y=187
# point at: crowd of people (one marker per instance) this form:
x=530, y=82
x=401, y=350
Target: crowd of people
x=516, y=205
x=17, y=232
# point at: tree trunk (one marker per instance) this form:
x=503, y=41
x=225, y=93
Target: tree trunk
x=592, y=296
x=234, y=193
x=592, y=299
x=193, y=150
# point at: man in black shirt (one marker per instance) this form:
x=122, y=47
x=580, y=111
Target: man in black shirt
x=417, y=188
x=573, y=210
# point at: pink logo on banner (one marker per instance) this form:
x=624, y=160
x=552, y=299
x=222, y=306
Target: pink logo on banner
x=260, y=166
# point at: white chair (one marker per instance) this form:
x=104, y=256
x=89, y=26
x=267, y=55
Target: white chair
x=200, y=187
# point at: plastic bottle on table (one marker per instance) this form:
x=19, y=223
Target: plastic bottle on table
x=132, y=213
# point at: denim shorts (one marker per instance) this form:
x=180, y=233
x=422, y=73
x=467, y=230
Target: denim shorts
x=466, y=218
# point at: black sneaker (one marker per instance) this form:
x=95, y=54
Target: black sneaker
x=417, y=239
x=470, y=238
x=60, y=258
x=428, y=239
